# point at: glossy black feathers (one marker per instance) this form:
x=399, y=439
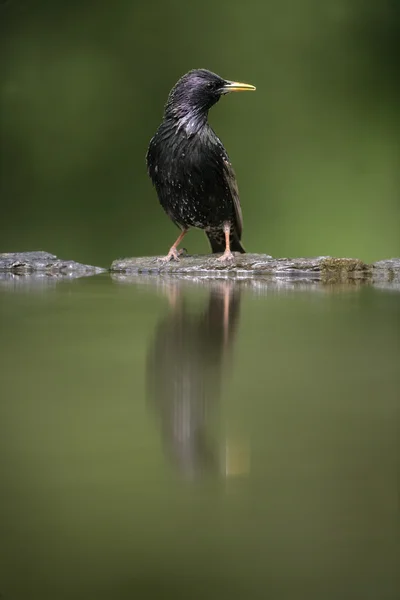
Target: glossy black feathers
x=189, y=166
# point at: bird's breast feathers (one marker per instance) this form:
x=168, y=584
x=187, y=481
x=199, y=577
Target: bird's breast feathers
x=177, y=156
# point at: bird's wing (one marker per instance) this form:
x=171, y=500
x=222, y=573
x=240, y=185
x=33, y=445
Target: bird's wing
x=230, y=178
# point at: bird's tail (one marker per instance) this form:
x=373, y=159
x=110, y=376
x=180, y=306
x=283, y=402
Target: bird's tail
x=217, y=242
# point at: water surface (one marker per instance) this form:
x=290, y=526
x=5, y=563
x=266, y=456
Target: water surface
x=198, y=439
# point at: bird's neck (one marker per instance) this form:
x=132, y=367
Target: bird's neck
x=191, y=120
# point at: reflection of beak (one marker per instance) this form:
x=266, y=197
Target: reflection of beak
x=237, y=458
x=235, y=86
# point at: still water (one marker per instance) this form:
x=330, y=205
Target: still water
x=198, y=439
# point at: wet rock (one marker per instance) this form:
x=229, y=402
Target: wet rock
x=326, y=269
x=248, y=265
x=39, y=262
x=387, y=270
x=386, y=274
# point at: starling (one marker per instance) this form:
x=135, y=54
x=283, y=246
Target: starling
x=190, y=168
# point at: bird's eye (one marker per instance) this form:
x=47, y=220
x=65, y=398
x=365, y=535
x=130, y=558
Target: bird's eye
x=209, y=85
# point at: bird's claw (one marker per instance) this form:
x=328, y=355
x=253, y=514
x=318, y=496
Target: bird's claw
x=173, y=254
x=227, y=257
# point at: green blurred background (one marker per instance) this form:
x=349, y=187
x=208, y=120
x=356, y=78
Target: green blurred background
x=315, y=150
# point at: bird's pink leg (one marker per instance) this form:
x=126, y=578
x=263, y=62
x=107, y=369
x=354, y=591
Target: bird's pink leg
x=227, y=255
x=173, y=253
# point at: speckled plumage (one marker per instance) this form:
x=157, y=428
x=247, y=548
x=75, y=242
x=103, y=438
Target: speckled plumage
x=189, y=165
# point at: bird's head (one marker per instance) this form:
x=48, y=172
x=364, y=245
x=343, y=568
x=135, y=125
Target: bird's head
x=197, y=91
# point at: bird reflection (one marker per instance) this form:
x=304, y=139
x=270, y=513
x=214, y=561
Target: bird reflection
x=184, y=366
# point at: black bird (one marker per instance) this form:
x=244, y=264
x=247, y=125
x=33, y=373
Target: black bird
x=190, y=167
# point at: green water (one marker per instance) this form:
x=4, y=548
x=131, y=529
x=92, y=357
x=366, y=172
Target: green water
x=189, y=439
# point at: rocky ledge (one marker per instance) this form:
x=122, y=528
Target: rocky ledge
x=321, y=268
x=26, y=263
x=252, y=265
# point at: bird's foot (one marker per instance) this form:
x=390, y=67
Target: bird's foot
x=173, y=254
x=227, y=257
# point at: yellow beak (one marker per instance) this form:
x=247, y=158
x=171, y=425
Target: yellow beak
x=236, y=86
